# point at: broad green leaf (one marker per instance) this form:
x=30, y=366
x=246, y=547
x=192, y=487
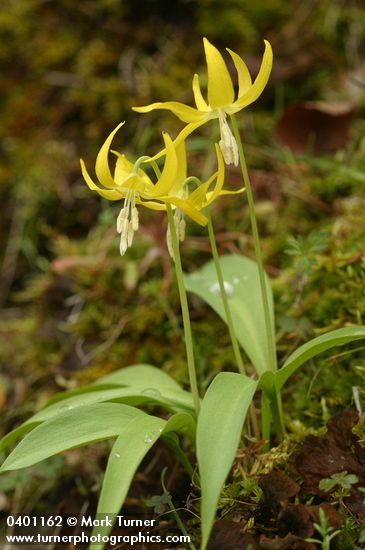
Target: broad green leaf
x=140, y=375
x=222, y=414
x=128, y=451
x=74, y=428
x=170, y=399
x=315, y=347
x=185, y=424
x=243, y=290
x=12, y=436
x=172, y=442
x=60, y=396
x=150, y=385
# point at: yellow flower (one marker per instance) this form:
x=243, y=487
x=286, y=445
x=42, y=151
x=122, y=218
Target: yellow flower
x=133, y=184
x=221, y=97
x=199, y=198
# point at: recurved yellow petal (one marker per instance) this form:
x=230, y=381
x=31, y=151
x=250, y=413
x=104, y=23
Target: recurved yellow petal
x=183, y=112
x=185, y=132
x=186, y=206
x=244, y=77
x=220, y=87
x=223, y=192
x=102, y=169
x=198, y=196
x=152, y=205
x=110, y=194
x=168, y=176
x=220, y=177
x=259, y=84
x=200, y=102
x=181, y=172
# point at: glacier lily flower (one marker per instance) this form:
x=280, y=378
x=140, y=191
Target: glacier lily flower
x=132, y=184
x=199, y=198
x=221, y=97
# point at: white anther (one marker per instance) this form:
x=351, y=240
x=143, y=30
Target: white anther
x=135, y=220
x=123, y=245
x=180, y=225
x=227, y=144
x=127, y=221
x=124, y=227
x=120, y=219
x=130, y=233
x=181, y=229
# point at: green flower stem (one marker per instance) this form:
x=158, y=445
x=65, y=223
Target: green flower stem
x=256, y=241
x=223, y=292
x=184, y=310
x=227, y=310
x=265, y=420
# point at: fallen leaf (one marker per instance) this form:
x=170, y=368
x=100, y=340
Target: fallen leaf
x=337, y=451
x=297, y=521
x=227, y=534
x=290, y=542
x=277, y=489
x=315, y=126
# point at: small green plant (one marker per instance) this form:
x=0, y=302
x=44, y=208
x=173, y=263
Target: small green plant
x=325, y=531
x=343, y=480
x=304, y=250
x=236, y=287
x=163, y=503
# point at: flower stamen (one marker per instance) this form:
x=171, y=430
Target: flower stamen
x=227, y=144
x=180, y=226
x=127, y=221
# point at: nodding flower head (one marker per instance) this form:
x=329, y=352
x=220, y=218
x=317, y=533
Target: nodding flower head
x=133, y=185
x=221, y=96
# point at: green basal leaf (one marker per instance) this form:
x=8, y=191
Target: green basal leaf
x=172, y=442
x=137, y=375
x=243, y=290
x=170, y=399
x=183, y=423
x=74, y=428
x=135, y=386
x=128, y=451
x=315, y=347
x=223, y=412
x=12, y=436
x=140, y=376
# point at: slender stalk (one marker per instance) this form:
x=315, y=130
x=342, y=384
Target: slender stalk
x=265, y=420
x=223, y=293
x=256, y=242
x=260, y=265
x=227, y=311
x=184, y=310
